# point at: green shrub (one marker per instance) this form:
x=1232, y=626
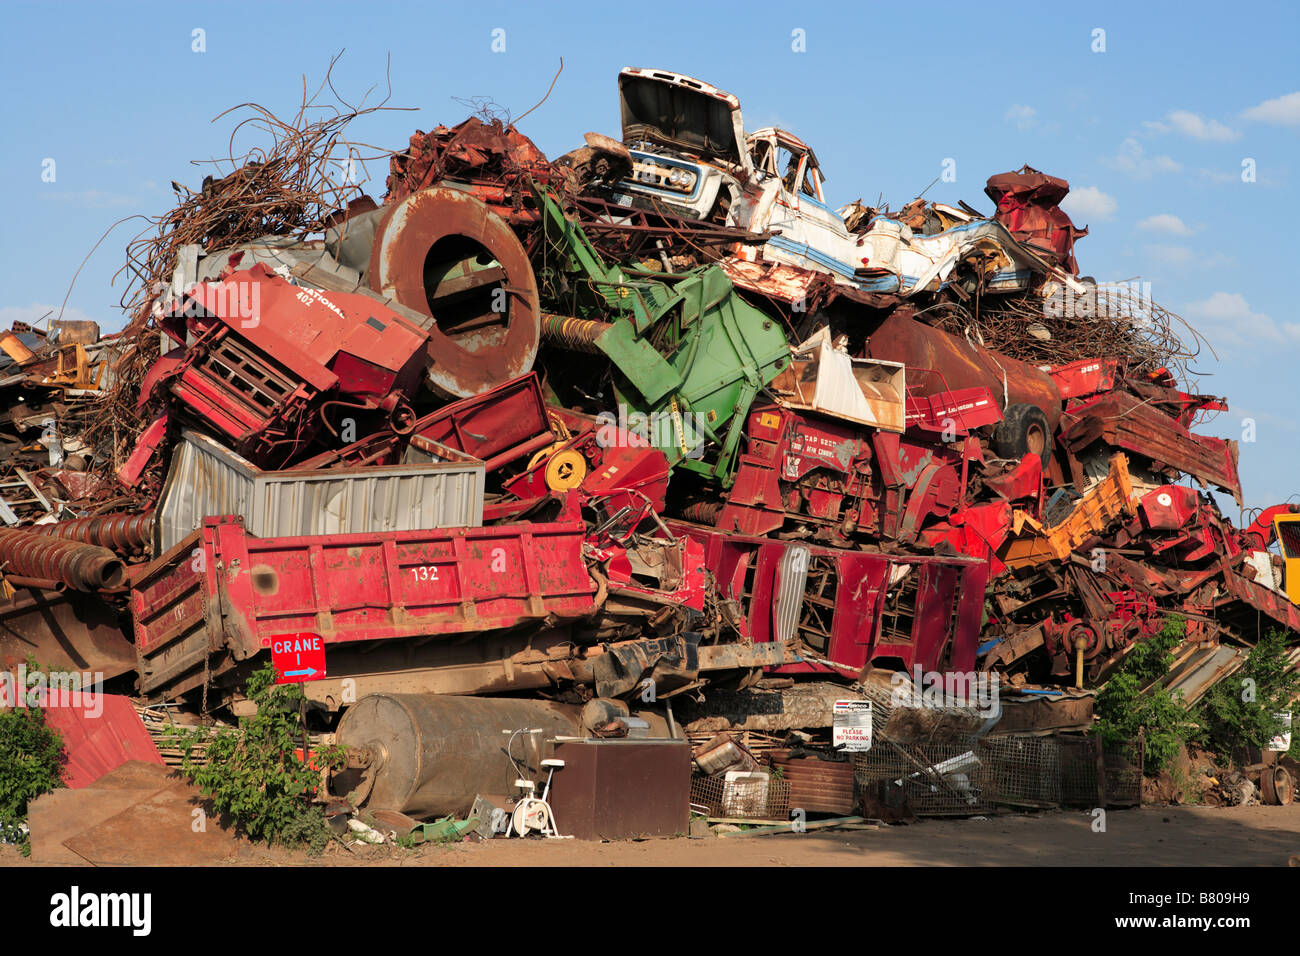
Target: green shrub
x=253, y=774
x=1123, y=710
x=31, y=763
x=1238, y=711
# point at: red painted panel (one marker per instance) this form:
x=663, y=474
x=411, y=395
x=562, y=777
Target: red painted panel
x=100, y=733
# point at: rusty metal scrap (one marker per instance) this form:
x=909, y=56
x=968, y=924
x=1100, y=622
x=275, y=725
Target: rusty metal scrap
x=86, y=567
x=1112, y=498
x=1015, y=435
x=291, y=186
x=473, y=149
x=124, y=533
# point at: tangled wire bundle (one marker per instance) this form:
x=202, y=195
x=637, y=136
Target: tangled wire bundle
x=1110, y=320
x=289, y=187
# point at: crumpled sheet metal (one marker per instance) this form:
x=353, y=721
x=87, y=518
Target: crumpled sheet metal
x=907, y=263
x=1030, y=543
x=472, y=149
x=1029, y=206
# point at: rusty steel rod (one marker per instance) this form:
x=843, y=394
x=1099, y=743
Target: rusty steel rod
x=85, y=567
x=125, y=534
x=39, y=584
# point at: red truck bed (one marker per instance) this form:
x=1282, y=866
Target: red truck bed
x=224, y=592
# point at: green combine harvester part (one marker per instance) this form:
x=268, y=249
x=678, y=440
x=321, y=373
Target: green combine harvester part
x=690, y=355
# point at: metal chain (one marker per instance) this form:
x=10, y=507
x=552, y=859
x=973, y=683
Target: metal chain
x=207, y=677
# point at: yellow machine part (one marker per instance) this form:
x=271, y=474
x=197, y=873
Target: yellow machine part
x=1288, y=541
x=75, y=369
x=567, y=469
x=544, y=454
x=1030, y=543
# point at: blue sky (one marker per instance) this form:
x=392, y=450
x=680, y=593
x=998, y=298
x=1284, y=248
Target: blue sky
x=1152, y=132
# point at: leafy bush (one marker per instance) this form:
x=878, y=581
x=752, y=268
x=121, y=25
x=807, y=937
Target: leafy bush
x=1238, y=712
x=254, y=775
x=1123, y=710
x=31, y=763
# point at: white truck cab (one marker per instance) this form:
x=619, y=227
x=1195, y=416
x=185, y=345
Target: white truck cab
x=691, y=158
x=788, y=199
x=687, y=145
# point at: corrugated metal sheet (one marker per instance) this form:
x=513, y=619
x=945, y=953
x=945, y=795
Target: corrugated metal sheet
x=100, y=733
x=791, y=579
x=207, y=480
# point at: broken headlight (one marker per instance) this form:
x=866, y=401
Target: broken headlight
x=664, y=177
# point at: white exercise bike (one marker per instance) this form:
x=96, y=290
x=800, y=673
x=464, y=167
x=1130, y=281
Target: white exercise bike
x=533, y=814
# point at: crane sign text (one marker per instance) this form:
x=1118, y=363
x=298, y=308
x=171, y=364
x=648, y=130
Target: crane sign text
x=298, y=657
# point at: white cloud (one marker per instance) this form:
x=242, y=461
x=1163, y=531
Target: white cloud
x=1173, y=255
x=1226, y=317
x=1166, y=223
x=1220, y=176
x=1132, y=159
x=1282, y=111
x=1089, y=202
x=1183, y=256
x=91, y=198
x=1194, y=125
x=1021, y=116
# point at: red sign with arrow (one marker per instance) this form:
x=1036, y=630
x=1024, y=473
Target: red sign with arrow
x=298, y=657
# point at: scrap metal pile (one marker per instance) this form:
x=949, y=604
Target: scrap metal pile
x=652, y=411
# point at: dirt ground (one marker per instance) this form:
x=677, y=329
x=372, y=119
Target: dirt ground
x=1151, y=836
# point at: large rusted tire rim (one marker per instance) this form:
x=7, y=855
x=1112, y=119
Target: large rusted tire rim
x=442, y=253
x=1276, y=786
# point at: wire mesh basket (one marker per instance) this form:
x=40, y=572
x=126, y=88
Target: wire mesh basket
x=947, y=778
x=967, y=776
x=750, y=796
x=1124, y=761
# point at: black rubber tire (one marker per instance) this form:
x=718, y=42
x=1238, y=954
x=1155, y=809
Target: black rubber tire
x=1023, y=430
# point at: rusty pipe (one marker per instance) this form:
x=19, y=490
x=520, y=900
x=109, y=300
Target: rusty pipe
x=85, y=567
x=534, y=444
x=39, y=584
x=125, y=534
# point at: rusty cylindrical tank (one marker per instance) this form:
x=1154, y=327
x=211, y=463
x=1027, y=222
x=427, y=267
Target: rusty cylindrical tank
x=937, y=360
x=444, y=254
x=85, y=567
x=431, y=754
